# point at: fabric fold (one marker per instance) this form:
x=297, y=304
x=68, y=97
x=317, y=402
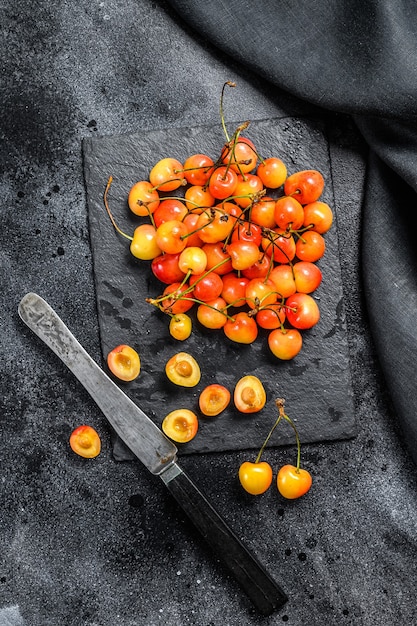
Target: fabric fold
x=358, y=59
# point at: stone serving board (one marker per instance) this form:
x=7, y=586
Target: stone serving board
x=316, y=384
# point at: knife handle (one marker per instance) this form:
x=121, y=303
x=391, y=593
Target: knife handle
x=263, y=591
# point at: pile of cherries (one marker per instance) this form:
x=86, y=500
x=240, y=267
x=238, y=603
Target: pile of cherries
x=235, y=237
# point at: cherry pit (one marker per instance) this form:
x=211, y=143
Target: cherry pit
x=234, y=240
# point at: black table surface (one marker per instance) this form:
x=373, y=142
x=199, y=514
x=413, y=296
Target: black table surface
x=102, y=543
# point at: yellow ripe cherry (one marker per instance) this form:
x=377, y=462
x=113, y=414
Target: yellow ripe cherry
x=180, y=326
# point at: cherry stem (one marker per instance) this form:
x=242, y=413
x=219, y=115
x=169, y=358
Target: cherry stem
x=106, y=204
x=280, y=404
x=258, y=458
x=228, y=83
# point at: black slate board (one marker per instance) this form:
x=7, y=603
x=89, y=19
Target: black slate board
x=316, y=384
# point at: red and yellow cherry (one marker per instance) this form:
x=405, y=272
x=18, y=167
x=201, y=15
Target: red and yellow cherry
x=171, y=236
x=302, y=311
x=197, y=169
x=283, y=278
x=192, y=260
x=222, y=182
x=242, y=328
x=247, y=231
x=143, y=199
x=288, y=213
x=214, y=225
x=231, y=209
x=310, y=246
x=247, y=189
x=262, y=212
x=165, y=268
x=241, y=154
x=319, y=215
x=124, y=362
x=143, y=245
x=85, y=441
x=272, y=172
x=176, y=298
x=234, y=289
x=271, y=316
x=167, y=175
x=285, y=343
x=249, y=394
x=183, y=370
x=180, y=326
x=180, y=425
x=260, y=292
x=213, y=314
x=214, y=399
x=193, y=238
x=293, y=483
x=260, y=269
x=218, y=259
x=198, y=196
x=255, y=478
x=306, y=185
x=206, y=286
x=279, y=245
x=169, y=209
x=307, y=276
x=243, y=254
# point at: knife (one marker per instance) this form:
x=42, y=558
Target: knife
x=155, y=450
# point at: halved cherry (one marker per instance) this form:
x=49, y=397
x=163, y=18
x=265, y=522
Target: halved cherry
x=180, y=425
x=182, y=369
x=85, y=441
x=249, y=394
x=124, y=362
x=214, y=399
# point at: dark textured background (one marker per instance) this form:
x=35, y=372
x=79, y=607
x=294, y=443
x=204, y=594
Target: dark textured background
x=101, y=543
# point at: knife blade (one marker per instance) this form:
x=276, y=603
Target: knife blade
x=155, y=451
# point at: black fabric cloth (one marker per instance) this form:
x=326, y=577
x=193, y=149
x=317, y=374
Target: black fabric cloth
x=357, y=58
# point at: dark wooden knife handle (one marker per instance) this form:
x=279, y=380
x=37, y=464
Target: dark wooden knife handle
x=264, y=592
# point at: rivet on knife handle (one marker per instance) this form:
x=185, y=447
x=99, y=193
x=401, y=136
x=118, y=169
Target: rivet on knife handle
x=155, y=451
